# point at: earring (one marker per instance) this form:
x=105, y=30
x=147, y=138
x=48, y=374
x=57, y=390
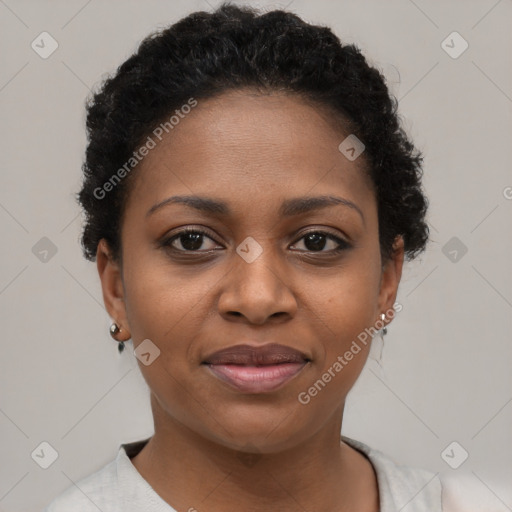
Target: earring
x=383, y=319
x=114, y=331
x=382, y=332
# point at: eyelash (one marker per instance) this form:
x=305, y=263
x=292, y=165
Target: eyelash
x=167, y=242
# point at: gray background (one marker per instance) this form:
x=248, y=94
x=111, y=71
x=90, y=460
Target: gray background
x=445, y=372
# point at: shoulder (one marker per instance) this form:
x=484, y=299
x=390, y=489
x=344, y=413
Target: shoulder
x=97, y=491
x=116, y=486
x=402, y=486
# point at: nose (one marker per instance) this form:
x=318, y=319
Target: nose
x=258, y=291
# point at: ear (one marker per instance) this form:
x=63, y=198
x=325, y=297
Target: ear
x=112, y=285
x=391, y=275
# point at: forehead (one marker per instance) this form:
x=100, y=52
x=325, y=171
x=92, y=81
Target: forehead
x=244, y=144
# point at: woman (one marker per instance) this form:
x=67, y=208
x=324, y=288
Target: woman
x=250, y=198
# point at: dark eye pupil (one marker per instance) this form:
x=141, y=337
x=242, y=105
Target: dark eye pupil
x=315, y=241
x=195, y=240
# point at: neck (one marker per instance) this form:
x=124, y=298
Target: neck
x=192, y=472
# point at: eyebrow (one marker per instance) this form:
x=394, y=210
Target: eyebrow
x=289, y=208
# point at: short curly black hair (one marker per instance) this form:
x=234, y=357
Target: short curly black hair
x=205, y=54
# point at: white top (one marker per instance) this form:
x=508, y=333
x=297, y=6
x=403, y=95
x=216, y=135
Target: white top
x=118, y=486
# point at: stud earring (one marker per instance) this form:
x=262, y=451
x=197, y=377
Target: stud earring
x=114, y=331
x=384, y=328
x=382, y=332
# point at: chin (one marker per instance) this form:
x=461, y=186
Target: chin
x=258, y=429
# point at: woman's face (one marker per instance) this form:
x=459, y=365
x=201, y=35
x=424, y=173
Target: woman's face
x=256, y=277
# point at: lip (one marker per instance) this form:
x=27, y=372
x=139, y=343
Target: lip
x=256, y=369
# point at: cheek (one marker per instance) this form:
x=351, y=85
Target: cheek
x=170, y=306
x=344, y=315
x=346, y=302
x=167, y=308
x=163, y=304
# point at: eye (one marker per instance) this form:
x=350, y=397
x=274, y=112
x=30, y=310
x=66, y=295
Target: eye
x=195, y=239
x=316, y=241
x=189, y=240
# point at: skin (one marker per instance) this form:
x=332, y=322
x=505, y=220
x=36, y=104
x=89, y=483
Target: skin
x=214, y=448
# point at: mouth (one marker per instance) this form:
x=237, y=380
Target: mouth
x=256, y=369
